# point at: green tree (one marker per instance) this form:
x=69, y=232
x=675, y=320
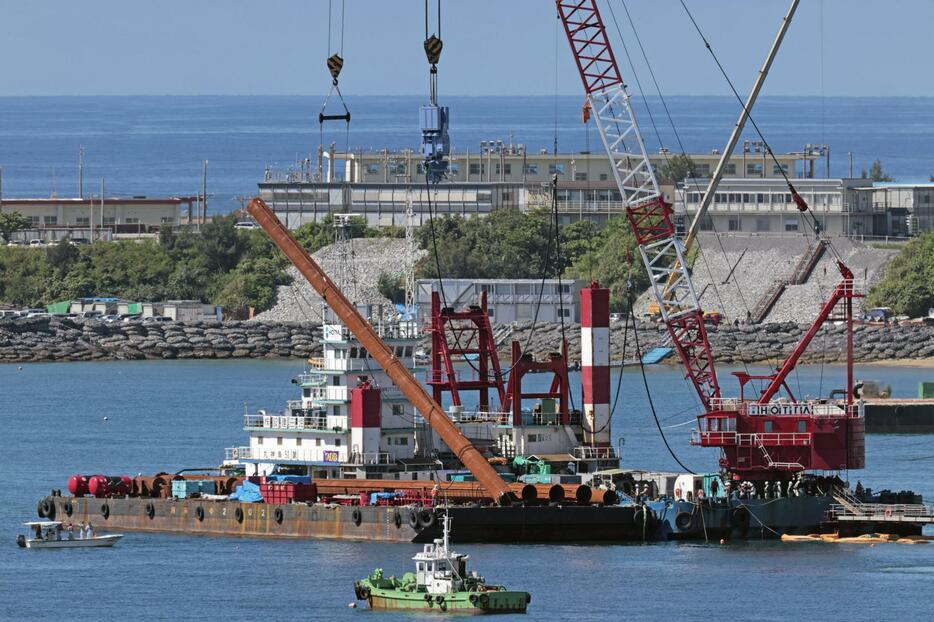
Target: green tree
x=391, y=286
x=677, y=168
x=907, y=285
x=613, y=259
x=10, y=223
x=876, y=172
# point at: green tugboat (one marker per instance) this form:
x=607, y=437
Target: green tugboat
x=440, y=583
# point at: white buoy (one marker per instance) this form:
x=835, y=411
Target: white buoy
x=352, y=605
x=105, y=418
x=20, y=368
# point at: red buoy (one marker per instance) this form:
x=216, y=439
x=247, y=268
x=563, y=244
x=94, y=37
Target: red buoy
x=78, y=485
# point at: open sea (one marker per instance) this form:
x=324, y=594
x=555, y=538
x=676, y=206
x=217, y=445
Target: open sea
x=165, y=415
x=154, y=146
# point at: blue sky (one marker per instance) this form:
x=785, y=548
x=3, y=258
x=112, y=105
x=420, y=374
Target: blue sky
x=192, y=47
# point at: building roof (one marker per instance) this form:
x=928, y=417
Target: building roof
x=96, y=201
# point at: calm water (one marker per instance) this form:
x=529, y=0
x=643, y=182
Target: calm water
x=155, y=145
x=168, y=415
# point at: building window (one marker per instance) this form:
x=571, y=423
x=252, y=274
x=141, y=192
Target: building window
x=754, y=169
x=110, y=220
x=564, y=312
x=259, y=440
x=166, y=220
x=33, y=221
x=476, y=169
x=531, y=169
x=791, y=224
x=50, y=220
x=762, y=224
x=777, y=170
x=733, y=224
x=455, y=168
x=398, y=410
x=507, y=168
x=556, y=169
x=397, y=168
x=746, y=197
x=372, y=168
x=703, y=170
x=580, y=176
x=131, y=221
x=730, y=169
x=706, y=223
x=490, y=312
x=402, y=440
x=278, y=440
x=603, y=177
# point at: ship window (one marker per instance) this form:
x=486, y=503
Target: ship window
x=317, y=442
x=335, y=381
x=767, y=426
x=298, y=442
x=802, y=426
x=306, y=392
x=278, y=440
x=259, y=440
x=337, y=442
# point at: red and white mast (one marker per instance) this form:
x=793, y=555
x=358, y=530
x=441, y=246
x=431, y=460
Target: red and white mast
x=595, y=364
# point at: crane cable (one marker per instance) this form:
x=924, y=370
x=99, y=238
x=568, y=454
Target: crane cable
x=648, y=392
x=335, y=63
x=798, y=200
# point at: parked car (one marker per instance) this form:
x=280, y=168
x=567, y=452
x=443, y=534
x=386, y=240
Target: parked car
x=109, y=318
x=158, y=319
x=91, y=315
x=34, y=243
x=128, y=319
x=246, y=224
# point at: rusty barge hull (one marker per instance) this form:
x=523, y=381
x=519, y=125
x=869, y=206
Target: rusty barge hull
x=518, y=523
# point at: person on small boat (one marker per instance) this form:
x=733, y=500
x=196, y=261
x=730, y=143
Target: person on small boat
x=38, y=532
x=71, y=531
x=88, y=531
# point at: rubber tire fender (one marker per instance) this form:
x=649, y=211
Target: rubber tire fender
x=484, y=600
x=68, y=508
x=473, y=599
x=397, y=519
x=238, y=515
x=48, y=508
x=199, y=513
x=413, y=520
x=150, y=510
x=426, y=518
x=684, y=521
x=364, y=593
x=278, y=515
x=105, y=510
x=40, y=508
x=356, y=516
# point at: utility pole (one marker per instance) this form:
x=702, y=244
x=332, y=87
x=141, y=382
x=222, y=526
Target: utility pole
x=81, y=172
x=849, y=153
x=101, y=223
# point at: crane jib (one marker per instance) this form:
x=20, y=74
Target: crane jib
x=648, y=213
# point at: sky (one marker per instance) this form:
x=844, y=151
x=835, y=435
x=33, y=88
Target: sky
x=508, y=47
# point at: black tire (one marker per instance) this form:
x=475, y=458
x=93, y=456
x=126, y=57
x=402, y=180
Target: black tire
x=356, y=516
x=740, y=519
x=428, y=598
x=364, y=593
x=199, y=513
x=21, y=541
x=278, y=515
x=397, y=519
x=150, y=510
x=68, y=508
x=473, y=599
x=426, y=518
x=40, y=509
x=413, y=520
x=238, y=514
x=439, y=599
x=484, y=600
x=528, y=598
x=48, y=506
x=684, y=521
x=105, y=511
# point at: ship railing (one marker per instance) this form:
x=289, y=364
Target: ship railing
x=595, y=453
x=713, y=438
x=371, y=457
x=725, y=403
x=480, y=416
x=232, y=454
x=285, y=422
x=437, y=377
x=308, y=378
x=772, y=439
x=884, y=511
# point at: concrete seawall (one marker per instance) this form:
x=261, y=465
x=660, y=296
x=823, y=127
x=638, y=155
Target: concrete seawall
x=64, y=339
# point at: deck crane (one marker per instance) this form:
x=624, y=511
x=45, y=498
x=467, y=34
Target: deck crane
x=433, y=119
x=662, y=252
x=760, y=438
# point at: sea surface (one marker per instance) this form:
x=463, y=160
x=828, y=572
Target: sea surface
x=130, y=417
x=155, y=145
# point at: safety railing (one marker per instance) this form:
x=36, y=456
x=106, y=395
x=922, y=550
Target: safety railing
x=371, y=457
x=884, y=511
x=237, y=453
x=595, y=453
x=284, y=422
x=772, y=439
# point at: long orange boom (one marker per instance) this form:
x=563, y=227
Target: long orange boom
x=430, y=410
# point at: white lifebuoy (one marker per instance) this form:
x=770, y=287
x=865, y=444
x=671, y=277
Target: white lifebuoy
x=888, y=512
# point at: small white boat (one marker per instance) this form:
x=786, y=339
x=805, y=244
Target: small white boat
x=49, y=536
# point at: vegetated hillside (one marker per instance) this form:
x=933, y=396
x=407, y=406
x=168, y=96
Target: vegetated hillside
x=908, y=283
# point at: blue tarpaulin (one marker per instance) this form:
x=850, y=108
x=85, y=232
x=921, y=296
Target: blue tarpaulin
x=376, y=496
x=294, y=479
x=247, y=492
